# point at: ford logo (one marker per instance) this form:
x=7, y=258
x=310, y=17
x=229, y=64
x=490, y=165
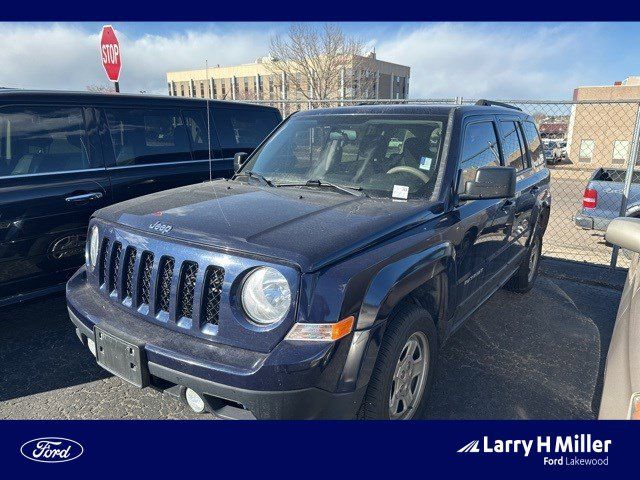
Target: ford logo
x=51, y=450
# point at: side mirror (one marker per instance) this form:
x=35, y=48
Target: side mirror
x=624, y=232
x=238, y=160
x=491, y=182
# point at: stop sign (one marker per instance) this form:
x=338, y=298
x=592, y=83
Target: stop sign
x=111, y=55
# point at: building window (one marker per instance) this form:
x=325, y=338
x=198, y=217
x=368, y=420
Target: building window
x=620, y=152
x=215, y=89
x=202, y=89
x=223, y=90
x=182, y=89
x=586, y=150
x=246, y=86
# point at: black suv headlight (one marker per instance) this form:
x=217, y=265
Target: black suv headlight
x=266, y=296
x=93, y=247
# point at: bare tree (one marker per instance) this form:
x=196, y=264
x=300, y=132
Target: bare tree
x=316, y=61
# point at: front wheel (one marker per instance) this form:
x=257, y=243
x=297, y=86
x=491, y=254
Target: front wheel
x=404, y=370
x=524, y=278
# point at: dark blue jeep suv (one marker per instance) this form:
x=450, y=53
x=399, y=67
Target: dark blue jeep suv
x=321, y=280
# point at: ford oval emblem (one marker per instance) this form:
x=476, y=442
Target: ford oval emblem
x=51, y=450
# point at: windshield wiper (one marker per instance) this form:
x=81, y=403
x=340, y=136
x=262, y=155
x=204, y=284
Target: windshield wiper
x=264, y=180
x=356, y=191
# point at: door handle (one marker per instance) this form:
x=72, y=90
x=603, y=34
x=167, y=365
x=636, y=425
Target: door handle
x=84, y=197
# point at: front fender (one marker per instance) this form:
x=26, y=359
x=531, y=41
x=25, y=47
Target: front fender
x=387, y=288
x=395, y=281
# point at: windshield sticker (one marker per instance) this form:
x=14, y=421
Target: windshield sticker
x=425, y=163
x=400, y=191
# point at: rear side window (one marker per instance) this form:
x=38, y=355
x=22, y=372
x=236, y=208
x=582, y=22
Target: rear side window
x=533, y=142
x=42, y=140
x=479, y=149
x=511, y=147
x=144, y=136
x=196, y=124
x=243, y=127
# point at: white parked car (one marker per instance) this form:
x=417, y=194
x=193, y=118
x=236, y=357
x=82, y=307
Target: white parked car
x=621, y=393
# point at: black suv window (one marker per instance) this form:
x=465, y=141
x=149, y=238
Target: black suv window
x=511, y=147
x=243, y=127
x=143, y=136
x=479, y=149
x=533, y=142
x=196, y=123
x=42, y=140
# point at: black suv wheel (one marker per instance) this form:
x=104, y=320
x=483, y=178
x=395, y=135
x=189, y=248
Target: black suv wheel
x=524, y=278
x=404, y=370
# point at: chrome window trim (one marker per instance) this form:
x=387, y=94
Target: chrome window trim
x=26, y=175
x=158, y=164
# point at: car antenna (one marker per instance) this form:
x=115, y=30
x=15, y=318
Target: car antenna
x=206, y=67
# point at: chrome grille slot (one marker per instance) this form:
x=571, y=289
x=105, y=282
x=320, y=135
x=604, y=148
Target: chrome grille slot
x=146, y=269
x=165, y=274
x=211, y=298
x=187, y=289
x=114, y=274
x=129, y=263
x=104, y=258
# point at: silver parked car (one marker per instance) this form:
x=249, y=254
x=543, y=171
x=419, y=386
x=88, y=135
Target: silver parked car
x=621, y=393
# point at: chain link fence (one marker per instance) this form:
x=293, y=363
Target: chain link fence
x=591, y=149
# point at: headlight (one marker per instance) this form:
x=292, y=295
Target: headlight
x=94, y=245
x=266, y=296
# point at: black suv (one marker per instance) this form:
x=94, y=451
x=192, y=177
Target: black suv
x=64, y=155
x=322, y=279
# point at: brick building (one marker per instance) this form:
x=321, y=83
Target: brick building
x=601, y=133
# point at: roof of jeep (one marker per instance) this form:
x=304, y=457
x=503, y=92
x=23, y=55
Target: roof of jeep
x=408, y=109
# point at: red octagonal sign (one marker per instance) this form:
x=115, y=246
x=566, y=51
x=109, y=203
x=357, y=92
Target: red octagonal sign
x=111, y=54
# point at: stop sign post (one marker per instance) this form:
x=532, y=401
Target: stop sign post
x=111, y=55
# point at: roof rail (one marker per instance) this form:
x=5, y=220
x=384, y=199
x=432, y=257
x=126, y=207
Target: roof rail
x=489, y=103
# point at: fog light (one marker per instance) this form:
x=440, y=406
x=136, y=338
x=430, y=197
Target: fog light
x=195, y=401
x=92, y=346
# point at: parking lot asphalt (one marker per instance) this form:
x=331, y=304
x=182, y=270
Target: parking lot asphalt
x=539, y=355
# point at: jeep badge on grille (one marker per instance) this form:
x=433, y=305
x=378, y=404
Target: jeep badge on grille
x=160, y=227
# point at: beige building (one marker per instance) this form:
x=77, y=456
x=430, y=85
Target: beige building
x=601, y=133
x=371, y=78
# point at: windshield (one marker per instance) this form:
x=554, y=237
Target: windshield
x=384, y=156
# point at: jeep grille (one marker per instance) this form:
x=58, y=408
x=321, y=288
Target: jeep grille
x=127, y=273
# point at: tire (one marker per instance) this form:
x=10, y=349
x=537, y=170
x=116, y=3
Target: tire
x=409, y=326
x=524, y=278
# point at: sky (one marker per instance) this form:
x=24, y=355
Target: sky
x=473, y=60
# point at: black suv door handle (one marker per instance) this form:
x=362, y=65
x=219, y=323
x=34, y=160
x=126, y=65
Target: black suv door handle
x=84, y=197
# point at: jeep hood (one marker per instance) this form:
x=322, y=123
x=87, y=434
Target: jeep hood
x=305, y=226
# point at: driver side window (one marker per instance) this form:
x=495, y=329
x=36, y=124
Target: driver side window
x=479, y=149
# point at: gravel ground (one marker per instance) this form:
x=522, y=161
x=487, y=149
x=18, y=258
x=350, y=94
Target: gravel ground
x=539, y=355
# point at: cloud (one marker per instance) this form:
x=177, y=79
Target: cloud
x=67, y=57
x=491, y=60
x=446, y=60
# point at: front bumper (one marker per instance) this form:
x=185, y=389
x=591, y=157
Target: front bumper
x=293, y=381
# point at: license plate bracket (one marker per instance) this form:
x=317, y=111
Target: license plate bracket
x=122, y=358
